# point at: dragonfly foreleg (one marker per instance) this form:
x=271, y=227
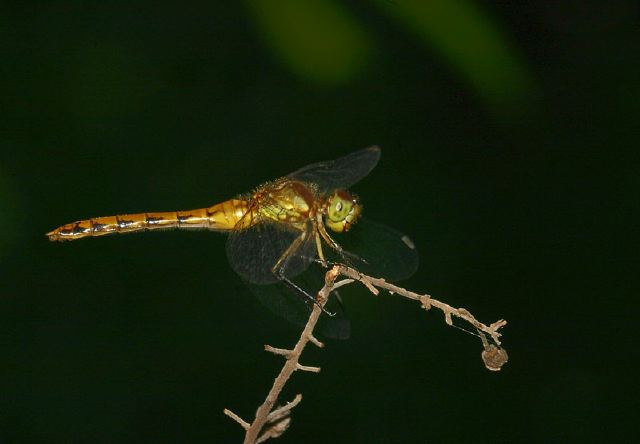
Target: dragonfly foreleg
x=321, y=257
x=334, y=246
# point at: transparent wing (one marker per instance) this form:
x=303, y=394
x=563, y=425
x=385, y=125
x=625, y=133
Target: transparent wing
x=339, y=173
x=379, y=251
x=252, y=254
x=254, y=251
x=370, y=247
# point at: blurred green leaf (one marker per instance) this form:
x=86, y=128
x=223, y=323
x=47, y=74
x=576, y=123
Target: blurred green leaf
x=317, y=39
x=471, y=43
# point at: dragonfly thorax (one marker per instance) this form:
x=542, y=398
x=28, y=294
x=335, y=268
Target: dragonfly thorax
x=341, y=210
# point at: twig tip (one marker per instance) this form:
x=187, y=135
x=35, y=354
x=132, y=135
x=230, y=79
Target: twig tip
x=494, y=357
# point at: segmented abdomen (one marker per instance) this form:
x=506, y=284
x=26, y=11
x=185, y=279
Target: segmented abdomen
x=225, y=216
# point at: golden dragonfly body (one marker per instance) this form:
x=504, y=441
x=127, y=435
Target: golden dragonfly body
x=282, y=227
x=286, y=203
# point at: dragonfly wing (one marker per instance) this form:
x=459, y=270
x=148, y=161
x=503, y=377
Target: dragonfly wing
x=339, y=173
x=253, y=252
x=379, y=250
x=371, y=247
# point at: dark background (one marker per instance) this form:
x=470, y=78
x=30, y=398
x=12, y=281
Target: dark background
x=507, y=134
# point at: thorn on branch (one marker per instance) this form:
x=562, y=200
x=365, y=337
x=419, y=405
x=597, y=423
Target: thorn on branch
x=244, y=424
x=447, y=317
x=278, y=351
x=498, y=324
x=315, y=341
x=367, y=283
x=425, y=301
x=285, y=410
x=306, y=368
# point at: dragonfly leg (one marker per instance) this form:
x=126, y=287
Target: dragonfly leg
x=280, y=266
x=346, y=255
x=321, y=257
x=297, y=288
x=348, y=259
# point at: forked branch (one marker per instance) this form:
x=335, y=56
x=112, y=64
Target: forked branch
x=270, y=423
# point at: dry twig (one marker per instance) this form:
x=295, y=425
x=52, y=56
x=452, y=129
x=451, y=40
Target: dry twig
x=270, y=423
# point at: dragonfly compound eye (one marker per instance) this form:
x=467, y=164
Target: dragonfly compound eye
x=342, y=211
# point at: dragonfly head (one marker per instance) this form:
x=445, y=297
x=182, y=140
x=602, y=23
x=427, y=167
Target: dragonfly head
x=341, y=210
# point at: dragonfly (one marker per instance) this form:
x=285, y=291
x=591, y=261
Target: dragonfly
x=280, y=229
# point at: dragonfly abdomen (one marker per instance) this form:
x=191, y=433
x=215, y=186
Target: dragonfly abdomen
x=220, y=217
